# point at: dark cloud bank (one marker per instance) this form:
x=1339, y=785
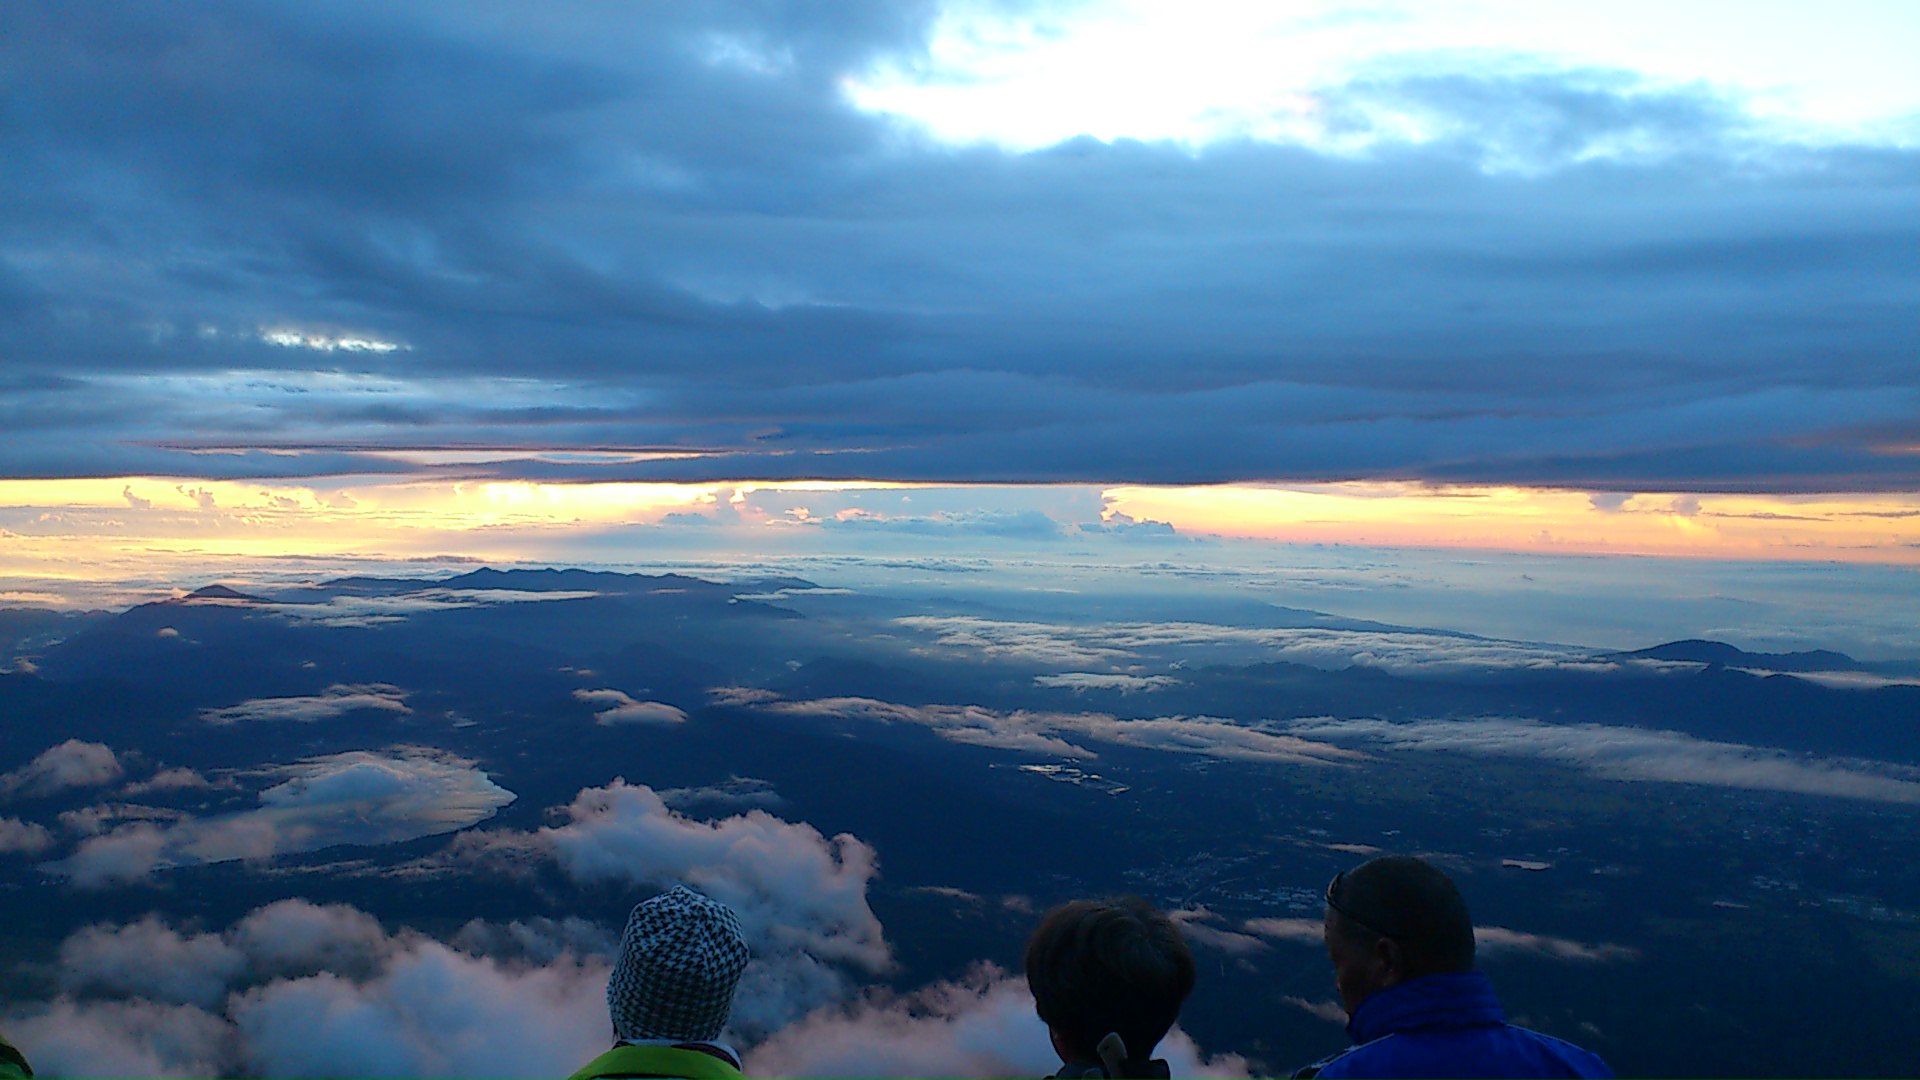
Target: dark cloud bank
x=665, y=226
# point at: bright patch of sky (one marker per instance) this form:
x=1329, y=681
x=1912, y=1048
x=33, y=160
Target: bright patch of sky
x=321, y=342
x=1217, y=69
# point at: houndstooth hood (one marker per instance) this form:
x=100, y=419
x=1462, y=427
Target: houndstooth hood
x=680, y=959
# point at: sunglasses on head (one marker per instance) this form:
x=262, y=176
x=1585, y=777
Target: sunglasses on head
x=1370, y=925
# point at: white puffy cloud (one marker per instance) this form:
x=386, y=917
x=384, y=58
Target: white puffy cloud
x=430, y=1011
x=122, y=1038
x=983, y=1025
x=152, y=960
x=615, y=707
x=801, y=897
x=360, y=797
x=524, y=999
x=71, y=764
x=1639, y=754
x=128, y=853
x=792, y=887
x=1049, y=732
x=24, y=837
x=539, y=940
x=299, y=936
x=389, y=1005
x=336, y=700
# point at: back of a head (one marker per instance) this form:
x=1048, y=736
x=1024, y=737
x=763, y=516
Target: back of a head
x=681, y=956
x=1413, y=902
x=1109, y=966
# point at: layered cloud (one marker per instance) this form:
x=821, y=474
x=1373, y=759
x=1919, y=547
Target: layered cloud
x=338, y=700
x=613, y=707
x=1080, y=681
x=1052, y=733
x=1629, y=282
x=1398, y=651
x=378, y=610
x=1489, y=940
x=361, y=797
x=1633, y=754
x=71, y=764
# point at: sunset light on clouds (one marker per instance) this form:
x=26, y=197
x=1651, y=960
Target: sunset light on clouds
x=897, y=467
x=1498, y=277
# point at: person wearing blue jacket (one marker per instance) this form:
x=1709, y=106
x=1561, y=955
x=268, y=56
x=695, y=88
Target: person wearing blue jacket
x=1401, y=942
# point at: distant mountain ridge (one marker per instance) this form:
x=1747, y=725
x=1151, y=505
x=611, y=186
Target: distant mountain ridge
x=1701, y=651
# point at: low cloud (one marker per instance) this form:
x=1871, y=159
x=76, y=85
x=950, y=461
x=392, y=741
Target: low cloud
x=1493, y=940
x=1195, y=924
x=298, y=937
x=1633, y=754
x=298, y=989
x=1398, y=651
x=430, y=1010
x=127, y=853
x=152, y=960
x=96, y=819
x=1050, y=732
x=801, y=897
x=72, y=764
x=982, y=1025
x=122, y=1038
x=1326, y=1009
x=23, y=837
x=538, y=940
x=1298, y=931
x=376, y=610
x=337, y=700
x=360, y=797
x=615, y=707
x=178, y=778
x=1078, y=681
x=735, y=792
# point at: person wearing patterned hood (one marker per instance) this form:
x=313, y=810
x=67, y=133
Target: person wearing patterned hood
x=671, y=991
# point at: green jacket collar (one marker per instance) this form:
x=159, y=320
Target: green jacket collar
x=656, y=1061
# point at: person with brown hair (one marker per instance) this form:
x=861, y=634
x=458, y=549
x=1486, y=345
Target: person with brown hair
x=1108, y=978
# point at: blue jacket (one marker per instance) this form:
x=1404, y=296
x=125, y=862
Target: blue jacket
x=1449, y=1025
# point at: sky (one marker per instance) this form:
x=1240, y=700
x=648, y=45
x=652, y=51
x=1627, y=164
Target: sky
x=356, y=280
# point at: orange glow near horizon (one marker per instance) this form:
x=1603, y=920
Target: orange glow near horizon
x=1882, y=528
x=146, y=528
